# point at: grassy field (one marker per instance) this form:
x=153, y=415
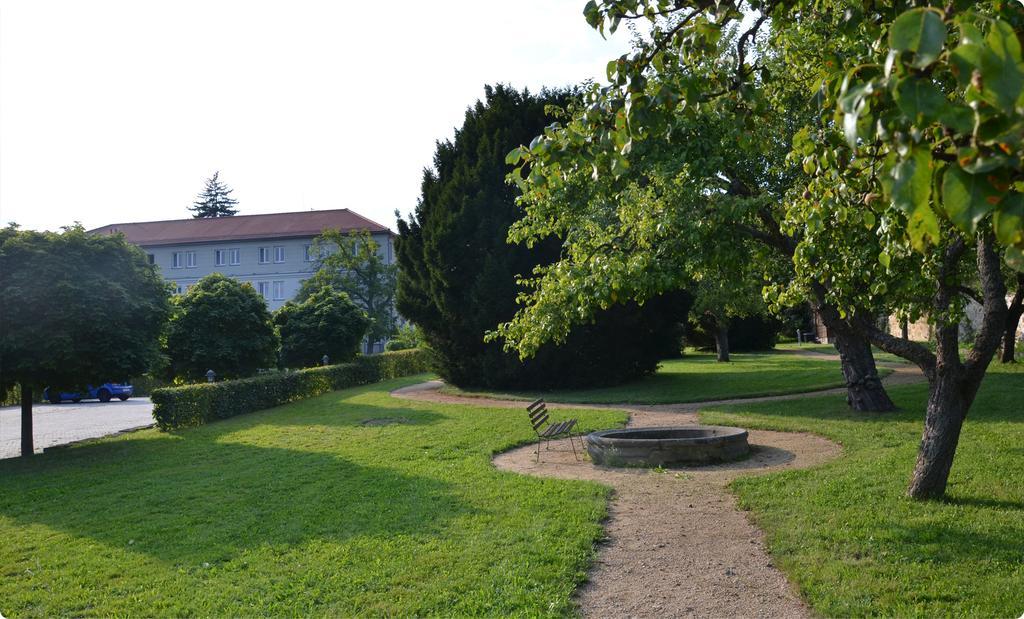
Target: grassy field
x=829, y=349
x=856, y=546
x=697, y=377
x=300, y=510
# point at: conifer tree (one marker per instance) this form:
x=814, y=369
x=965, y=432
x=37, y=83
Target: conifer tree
x=215, y=200
x=458, y=274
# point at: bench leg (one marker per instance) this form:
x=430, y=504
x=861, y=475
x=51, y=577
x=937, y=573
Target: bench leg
x=573, y=443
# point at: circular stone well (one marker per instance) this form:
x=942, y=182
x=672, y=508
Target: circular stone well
x=692, y=445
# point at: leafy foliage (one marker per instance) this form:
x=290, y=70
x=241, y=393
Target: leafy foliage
x=76, y=308
x=458, y=275
x=352, y=263
x=911, y=159
x=223, y=325
x=215, y=200
x=193, y=405
x=325, y=323
x=408, y=336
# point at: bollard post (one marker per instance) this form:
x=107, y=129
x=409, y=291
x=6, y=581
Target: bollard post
x=210, y=375
x=326, y=360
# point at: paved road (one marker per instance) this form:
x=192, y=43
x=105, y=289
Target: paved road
x=58, y=424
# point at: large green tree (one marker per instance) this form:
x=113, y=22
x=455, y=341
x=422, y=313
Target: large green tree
x=325, y=323
x=223, y=325
x=700, y=198
x=458, y=276
x=75, y=309
x=353, y=263
x=914, y=162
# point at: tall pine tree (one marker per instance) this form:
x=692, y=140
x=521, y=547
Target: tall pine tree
x=457, y=272
x=215, y=200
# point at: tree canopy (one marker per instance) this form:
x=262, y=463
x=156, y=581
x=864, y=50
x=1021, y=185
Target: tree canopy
x=76, y=309
x=223, y=325
x=324, y=323
x=352, y=263
x=458, y=276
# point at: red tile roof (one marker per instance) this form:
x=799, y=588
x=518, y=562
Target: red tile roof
x=241, y=227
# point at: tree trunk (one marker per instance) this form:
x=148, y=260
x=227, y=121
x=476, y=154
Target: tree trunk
x=27, y=448
x=905, y=329
x=722, y=340
x=1016, y=310
x=1010, y=342
x=947, y=409
x=864, y=390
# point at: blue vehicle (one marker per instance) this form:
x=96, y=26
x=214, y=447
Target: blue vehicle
x=103, y=393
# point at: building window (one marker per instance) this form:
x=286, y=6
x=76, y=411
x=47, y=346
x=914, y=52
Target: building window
x=264, y=255
x=220, y=257
x=190, y=259
x=264, y=289
x=278, y=291
x=176, y=259
x=178, y=289
x=309, y=253
x=235, y=256
x=279, y=254
x=152, y=258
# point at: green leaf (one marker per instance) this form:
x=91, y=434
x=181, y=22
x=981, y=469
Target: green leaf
x=920, y=31
x=911, y=193
x=513, y=156
x=997, y=62
x=967, y=198
x=1008, y=220
x=1015, y=258
x=919, y=99
x=884, y=259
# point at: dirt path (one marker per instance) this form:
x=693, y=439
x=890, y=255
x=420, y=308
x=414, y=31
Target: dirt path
x=677, y=544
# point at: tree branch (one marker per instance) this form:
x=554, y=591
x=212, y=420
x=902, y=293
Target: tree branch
x=993, y=320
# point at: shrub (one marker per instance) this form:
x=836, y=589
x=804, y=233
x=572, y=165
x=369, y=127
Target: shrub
x=223, y=325
x=325, y=323
x=193, y=405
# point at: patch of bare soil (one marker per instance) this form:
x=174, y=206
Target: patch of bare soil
x=677, y=544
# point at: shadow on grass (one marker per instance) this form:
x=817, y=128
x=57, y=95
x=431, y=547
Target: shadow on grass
x=195, y=498
x=354, y=415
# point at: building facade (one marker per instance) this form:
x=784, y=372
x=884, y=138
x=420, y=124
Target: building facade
x=272, y=252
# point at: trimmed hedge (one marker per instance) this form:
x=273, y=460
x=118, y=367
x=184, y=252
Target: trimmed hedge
x=193, y=405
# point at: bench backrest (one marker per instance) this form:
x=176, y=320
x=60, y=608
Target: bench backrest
x=538, y=412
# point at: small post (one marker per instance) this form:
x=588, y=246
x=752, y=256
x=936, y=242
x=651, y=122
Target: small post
x=326, y=360
x=799, y=337
x=210, y=375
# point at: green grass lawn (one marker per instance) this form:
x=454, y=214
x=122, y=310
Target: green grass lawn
x=856, y=546
x=829, y=349
x=299, y=510
x=698, y=377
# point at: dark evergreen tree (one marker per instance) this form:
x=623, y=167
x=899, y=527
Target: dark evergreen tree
x=457, y=277
x=215, y=200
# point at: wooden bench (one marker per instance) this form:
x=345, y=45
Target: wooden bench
x=547, y=430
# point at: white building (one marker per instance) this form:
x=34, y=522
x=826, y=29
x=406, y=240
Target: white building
x=272, y=252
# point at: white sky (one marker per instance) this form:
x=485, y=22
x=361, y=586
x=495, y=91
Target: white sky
x=117, y=111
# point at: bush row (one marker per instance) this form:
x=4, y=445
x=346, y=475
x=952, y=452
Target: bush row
x=193, y=405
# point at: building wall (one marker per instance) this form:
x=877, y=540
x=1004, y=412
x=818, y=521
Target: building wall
x=281, y=279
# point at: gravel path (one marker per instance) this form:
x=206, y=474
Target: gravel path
x=676, y=543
